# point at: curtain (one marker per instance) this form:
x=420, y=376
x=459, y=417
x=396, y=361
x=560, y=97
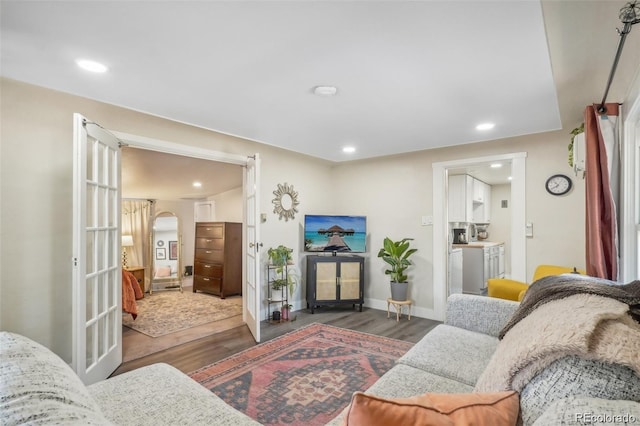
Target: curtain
x=602, y=190
x=136, y=216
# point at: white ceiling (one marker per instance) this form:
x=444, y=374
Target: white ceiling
x=411, y=75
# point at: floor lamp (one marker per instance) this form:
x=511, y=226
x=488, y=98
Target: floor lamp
x=127, y=241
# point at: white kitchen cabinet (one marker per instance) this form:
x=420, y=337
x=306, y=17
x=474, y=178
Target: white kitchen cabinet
x=469, y=199
x=460, y=200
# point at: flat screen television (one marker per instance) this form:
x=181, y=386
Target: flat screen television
x=341, y=234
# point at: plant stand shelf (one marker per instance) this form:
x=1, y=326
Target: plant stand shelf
x=398, y=304
x=279, y=297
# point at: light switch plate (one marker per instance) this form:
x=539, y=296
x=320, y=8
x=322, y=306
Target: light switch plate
x=529, y=230
x=427, y=220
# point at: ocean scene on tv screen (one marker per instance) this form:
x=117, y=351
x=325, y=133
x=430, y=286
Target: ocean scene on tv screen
x=335, y=233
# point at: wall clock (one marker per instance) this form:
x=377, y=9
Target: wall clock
x=558, y=184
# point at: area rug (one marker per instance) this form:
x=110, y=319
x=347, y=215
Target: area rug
x=305, y=377
x=166, y=312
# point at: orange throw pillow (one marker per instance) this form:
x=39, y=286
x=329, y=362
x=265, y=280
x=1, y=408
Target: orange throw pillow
x=435, y=409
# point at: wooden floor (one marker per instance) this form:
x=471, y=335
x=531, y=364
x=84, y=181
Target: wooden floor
x=190, y=356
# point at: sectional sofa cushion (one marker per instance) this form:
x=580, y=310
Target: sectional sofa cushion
x=149, y=391
x=446, y=348
x=38, y=388
x=589, y=411
x=437, y=409
x=577, y=376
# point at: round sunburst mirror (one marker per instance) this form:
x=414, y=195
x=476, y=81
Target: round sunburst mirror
x=285, y=205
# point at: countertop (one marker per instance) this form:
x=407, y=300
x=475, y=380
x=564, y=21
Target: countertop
x=478, y=244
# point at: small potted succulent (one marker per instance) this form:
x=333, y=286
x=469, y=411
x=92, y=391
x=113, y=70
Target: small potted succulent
x=286, y=310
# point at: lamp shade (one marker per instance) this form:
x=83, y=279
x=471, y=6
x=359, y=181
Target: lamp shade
x=127, y=241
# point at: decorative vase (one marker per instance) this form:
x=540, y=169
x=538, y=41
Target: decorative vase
x=276, y=316
x=399, y=291
x=285, y=313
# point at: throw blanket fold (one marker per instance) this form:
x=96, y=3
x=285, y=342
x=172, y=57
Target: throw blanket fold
x=560, y=286
x=586, y=325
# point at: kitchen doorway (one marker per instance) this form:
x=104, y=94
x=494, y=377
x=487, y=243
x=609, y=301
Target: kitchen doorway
x=441, y=234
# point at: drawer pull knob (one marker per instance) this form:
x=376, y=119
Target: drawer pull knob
x=205, y=279
x=208, y=252
x=207, y=266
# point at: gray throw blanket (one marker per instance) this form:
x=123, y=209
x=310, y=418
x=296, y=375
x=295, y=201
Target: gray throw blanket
x=561, y=286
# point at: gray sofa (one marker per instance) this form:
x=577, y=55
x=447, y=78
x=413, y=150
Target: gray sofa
x=452, y=357
x=37, y=387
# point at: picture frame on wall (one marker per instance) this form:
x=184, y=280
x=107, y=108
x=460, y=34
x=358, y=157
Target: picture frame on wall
x=161, y=253
x=173, y=250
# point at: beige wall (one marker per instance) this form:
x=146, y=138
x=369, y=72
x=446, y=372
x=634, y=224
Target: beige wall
x=36, y=198
x=229, y=205
x=394, y=192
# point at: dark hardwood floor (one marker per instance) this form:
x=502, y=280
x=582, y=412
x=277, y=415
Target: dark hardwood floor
x=190, y=356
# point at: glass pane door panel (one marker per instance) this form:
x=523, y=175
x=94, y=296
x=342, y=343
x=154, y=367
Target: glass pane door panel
x=90, y=340
x=102, y=299
x=91, y=289
x=90, y=158
x=100, y=165
x=90, y=262
x=91, y=214
x=100, y=257
x=102, y=341
x=102, y=202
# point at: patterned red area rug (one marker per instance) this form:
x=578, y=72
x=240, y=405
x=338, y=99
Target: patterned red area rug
x=305, y=377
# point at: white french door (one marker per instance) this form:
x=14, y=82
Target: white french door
x=97, y=294
x=251, y=247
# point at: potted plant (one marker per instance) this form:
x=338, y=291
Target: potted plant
x=286, y=310
x=396, y=254
x=280, y=257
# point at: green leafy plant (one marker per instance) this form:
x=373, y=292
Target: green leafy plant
x=396, y=254
x=280, y=257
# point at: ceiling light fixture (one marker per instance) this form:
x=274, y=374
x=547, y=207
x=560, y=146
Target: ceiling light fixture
x=485, y=126
x=91, y=66
x=325, y=90
x=197, y=184
x=496, y=165
x=349, y=149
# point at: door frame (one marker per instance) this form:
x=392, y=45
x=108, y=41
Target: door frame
x=630, y=208
x=441, y=228
x=153, y=144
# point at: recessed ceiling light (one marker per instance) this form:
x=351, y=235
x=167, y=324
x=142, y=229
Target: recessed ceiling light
x=485, y=126
x=92, y=66
x=325, y=90
x=510, y=178
x=197, y=184
x=349, y=149
x=496, y=165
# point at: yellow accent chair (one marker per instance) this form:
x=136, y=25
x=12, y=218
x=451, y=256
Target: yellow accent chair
x=504, y=288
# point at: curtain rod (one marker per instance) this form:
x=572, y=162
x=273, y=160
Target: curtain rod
x=629, y=15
